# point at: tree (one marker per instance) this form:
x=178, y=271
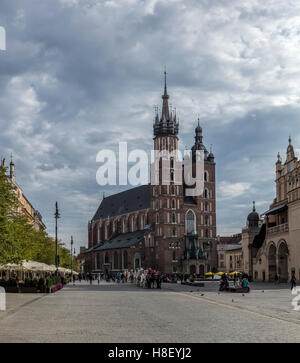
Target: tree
x=9, y=250
x=19, y=240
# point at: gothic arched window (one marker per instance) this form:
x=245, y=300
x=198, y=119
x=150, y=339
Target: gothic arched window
x=116, y=260
x=173, y=218
x=99, y=234
x=206, y=176
x=190, y=222
x=98, y=262
x=125, y=260
x=172, y=163
x=173, y=204
x=106, y=231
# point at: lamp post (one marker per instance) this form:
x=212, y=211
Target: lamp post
x=72, y=257
x=56, y=216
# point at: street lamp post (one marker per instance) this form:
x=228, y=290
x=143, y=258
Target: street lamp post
x=57, y=216
x=72, y=257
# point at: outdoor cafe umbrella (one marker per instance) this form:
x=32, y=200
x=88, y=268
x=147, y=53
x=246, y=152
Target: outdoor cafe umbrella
x=220, y=273
x=208, y=274
x=234, y=273
x=12, y=266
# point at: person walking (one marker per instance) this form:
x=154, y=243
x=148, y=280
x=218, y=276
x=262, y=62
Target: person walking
x=276, y=279
x=91, y=279
x=293, y=280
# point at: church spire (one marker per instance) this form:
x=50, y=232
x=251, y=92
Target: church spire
x=168, y=124
x=165, y=107
x=290, y=154
x=198, y=136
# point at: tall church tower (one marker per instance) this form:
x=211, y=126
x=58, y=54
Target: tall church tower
x=184, y=225
x=166, y=186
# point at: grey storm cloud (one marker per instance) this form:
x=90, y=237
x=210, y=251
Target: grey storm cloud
x=79, y=76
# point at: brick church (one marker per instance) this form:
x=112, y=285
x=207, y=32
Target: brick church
x=158, y=225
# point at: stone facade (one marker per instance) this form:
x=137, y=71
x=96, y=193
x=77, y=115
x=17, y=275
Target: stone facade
x=81, y=260
x=230, y=255
x=179, y=231
x=234, y=258
x=275, y=249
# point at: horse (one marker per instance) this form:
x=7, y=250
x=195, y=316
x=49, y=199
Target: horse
x=153, y=280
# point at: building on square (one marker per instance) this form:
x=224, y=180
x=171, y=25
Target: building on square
x=81, y=268
x=24, y=206
x=230, y=254
x=157, y=225
x=273, y=248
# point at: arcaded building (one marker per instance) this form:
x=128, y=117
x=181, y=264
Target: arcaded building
x=273, y=248
x=159, y=225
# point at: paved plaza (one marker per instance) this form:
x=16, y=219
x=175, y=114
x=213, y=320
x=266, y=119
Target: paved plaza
x=119, y=313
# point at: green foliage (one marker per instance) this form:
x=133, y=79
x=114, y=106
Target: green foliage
x=18, y=239
x=53, y=281
x=3, y=282
x=12, y=282
x=8, y=205
x=31, y=282
x=41, y=283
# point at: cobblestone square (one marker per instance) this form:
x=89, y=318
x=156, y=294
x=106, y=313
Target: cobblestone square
x=120, y=313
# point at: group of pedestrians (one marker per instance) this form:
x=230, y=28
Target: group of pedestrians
x=138, y=276
x=119, y=277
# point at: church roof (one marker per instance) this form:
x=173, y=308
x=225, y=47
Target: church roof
x=124, y=202
x=124, y=240
x=276, y=209
x=235, y=247
x=230, y=240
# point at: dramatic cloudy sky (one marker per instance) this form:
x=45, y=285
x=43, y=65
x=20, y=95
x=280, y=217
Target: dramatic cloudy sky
x=81, y=75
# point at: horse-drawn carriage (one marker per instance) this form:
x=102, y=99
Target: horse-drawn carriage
x=149, y=279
